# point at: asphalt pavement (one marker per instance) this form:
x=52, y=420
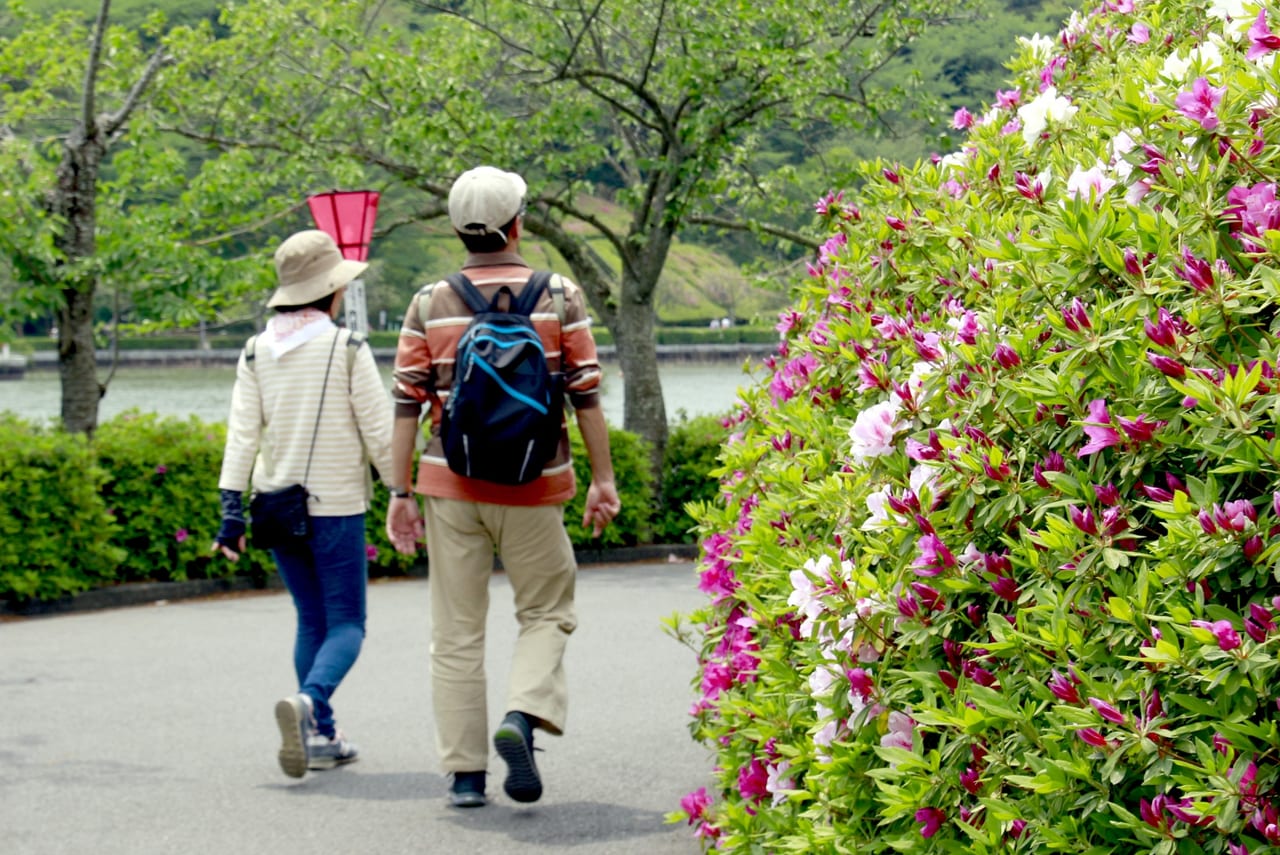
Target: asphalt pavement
x=149, y=729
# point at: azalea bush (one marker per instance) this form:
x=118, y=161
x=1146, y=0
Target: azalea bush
x=994, y=566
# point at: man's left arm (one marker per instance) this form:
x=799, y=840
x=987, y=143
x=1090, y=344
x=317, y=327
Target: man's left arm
x=602, y=503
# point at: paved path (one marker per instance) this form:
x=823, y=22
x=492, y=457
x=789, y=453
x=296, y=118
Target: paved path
x=150, y=730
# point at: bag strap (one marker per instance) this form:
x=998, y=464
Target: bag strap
x=532, y=292
x=315, y=431
x=470, y=294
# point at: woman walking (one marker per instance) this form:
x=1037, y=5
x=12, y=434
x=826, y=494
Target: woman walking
x=309, y=408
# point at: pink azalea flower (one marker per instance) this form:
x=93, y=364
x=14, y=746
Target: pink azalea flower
x=931, y=819
x=180, y=535
x=1089, y=183
x=1076, y=316
x=161, y=469
x=371, y=552
x=753, y=781
x=1006, y=356
x=1099, y=430
x=874, y=430
x=1223, y=632
x=1201, y=103
x=934, y=556
x=962, y=119
x=695, y=804
x=1261, y=40
x=1007, y=99
x=1163, y=331
x=1139, y=34
x=1107, y=711
x=1063, y=688
x=1092, y=736
x=1141, y=429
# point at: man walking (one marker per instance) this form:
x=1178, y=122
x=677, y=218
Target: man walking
x=467, y=518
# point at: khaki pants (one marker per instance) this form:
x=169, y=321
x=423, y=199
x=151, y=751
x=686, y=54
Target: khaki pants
x=538, y=559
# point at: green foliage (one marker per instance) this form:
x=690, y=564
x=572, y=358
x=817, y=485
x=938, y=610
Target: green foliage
x=162, y=491
x=55, y=530
x=631, y=474
x=693, y=451
x=998, y=569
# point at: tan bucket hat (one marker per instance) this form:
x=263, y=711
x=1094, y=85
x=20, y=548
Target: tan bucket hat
x=310, y=266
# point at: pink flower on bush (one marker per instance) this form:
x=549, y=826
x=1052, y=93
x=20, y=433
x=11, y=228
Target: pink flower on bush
x=900, y=727
x=934, y=556
x=1063, y=688
x=1076, y=316
x=1254, y=209
x=1223, y=632
x=1089, y=183
x=1261, y=40
x=1107, y=711
x=930, y=819
x=753, y=781
x=180, y=535
x=1201, y=102
x=873, y=431
x=1098, y=429
x=371, y=552
x=1139, y=34
x=962, y=119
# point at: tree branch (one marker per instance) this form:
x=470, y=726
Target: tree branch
x=115, y=121
x=88, y=92
x=753, y=226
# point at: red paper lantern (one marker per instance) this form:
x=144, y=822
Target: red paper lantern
x=346, y=216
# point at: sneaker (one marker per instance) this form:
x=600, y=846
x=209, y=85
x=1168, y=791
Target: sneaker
x=293, y=716
x=514, y=742
x=466, y=790
x=325, y=752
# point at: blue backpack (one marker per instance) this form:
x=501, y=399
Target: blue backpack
x=503, y=416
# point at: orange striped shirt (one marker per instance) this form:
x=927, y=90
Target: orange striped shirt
x=425, y=355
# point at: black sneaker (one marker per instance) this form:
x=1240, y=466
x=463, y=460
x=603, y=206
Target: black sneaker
x=514, y=741
x=467, y=790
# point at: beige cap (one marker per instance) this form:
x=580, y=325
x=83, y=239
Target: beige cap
x=485, y=199
x=309, y=266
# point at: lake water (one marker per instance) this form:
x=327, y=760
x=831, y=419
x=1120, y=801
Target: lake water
x=697, y=388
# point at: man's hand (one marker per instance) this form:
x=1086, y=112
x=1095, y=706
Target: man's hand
x=404, y=525
x=602, y=506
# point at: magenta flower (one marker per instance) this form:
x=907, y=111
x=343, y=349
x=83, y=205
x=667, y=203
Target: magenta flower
x=1163, y=331
x=161, y=469
x=1107, y=711
x=1006, y=356
x=1139, y=34
x=1261, y=40
x=1141, y=429
x=934, y=556
x=1063, y=688
x=970, y=779
x=753, y=781
x=1166, y=365
x=929, y=596
x=1108, y=494
x=890, y=175
x=861, y=684
x=1132, y=265
x=1196, y=271
x=1201, y=103
x=931, y=818
x=1052, y=462
x=962, y=119
x=1237, y=515
x=371, y=552
x=1223, y=632
x=180, y=535
x=1083, y=519
x=1029, y=186
x=1099, y=430
x=1005, y=588
x=1092, y=736
x=896, y=223
x=1254, y=209
x=1076, y=316
x=1007, y=99
x=695, y=804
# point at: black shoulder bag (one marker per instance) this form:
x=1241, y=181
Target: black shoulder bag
x=280, y=517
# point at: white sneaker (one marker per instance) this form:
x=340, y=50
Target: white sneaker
x=325, y=752
x=296, y=723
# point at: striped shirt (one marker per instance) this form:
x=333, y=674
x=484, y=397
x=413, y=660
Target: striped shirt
x=273, y=417
x=434, y=323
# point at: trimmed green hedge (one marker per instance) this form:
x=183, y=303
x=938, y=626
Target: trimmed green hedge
x=139, y=503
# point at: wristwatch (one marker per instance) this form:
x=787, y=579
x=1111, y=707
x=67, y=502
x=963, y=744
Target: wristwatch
x=398, y=493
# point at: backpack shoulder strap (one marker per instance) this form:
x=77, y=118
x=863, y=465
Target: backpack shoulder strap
x=469, y=293
x=532, y=292
x=556, y=286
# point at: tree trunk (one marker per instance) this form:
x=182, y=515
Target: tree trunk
x=644, y=411
x=74, y=201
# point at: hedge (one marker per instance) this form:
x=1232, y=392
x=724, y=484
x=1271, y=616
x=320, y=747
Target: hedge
x=139, y=502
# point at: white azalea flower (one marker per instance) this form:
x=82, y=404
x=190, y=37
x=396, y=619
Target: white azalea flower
x=1047, y=105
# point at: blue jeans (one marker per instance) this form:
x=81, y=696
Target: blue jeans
x=327, y=575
